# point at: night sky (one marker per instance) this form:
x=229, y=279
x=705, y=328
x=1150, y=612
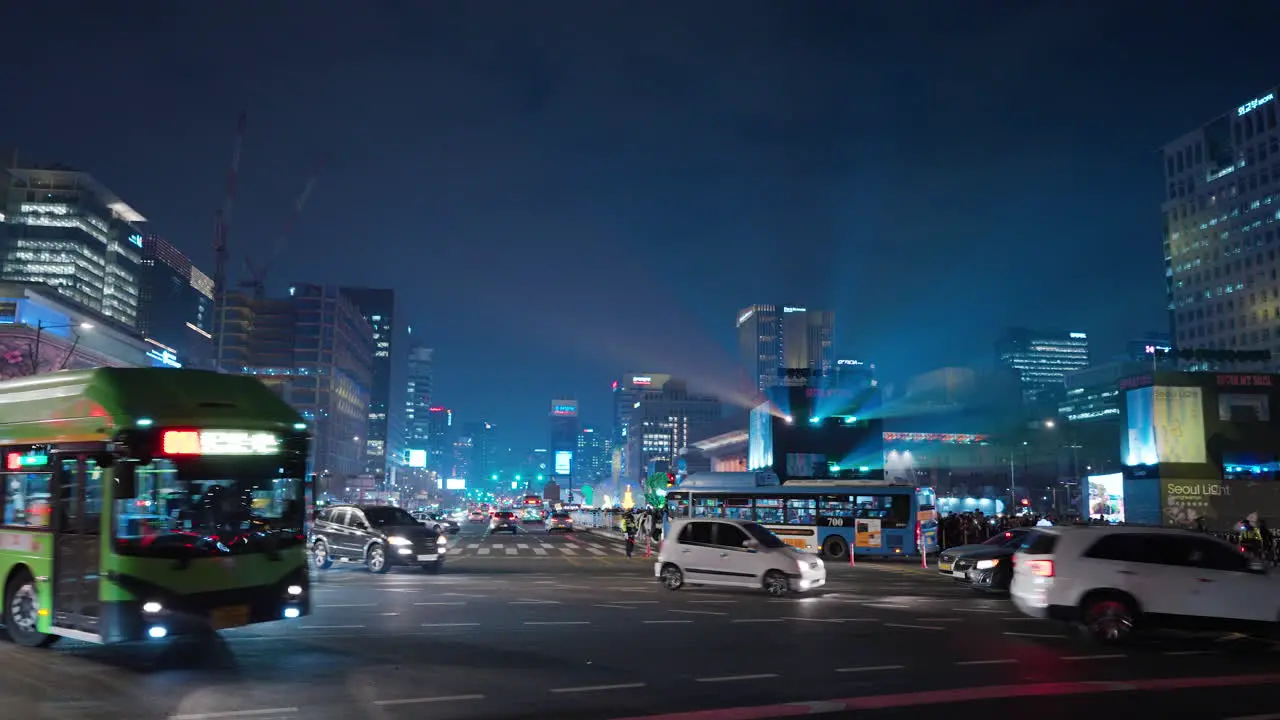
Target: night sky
x=561, y=192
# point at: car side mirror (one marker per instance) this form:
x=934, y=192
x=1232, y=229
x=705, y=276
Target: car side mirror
x=751, y=545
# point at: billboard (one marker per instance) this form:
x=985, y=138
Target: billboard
x=455, y=484
x=1220, y=504
x=563, y=462
x=760, y=438
x=1106, y=497
x=564, y=408
x=1164, y=425
x=417, y=458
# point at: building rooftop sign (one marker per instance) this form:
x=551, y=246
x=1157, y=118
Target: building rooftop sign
x=791, y=309
x=1254, y=104
x=641, y=380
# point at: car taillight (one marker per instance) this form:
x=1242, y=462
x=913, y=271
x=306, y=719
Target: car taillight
x=1041, y=568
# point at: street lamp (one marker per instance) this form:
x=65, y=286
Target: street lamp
x=40, y=328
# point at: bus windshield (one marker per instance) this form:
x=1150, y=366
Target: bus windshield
x=177, y=515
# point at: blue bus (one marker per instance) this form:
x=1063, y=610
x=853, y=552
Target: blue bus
x=827, y=517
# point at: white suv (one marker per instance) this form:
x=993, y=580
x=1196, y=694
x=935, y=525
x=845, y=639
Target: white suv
x=1112, y=578
x=734, y=553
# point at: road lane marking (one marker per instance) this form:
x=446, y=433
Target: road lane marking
x=557, y=622
x=424, y=700
x=870, y=668
x=469, y=624
x=914, y=627
x=440, y=603
x=666, y=622
x=330, y=627
x=512, y=551
x=522, y=546
x=497, y=545
x=1034, y=635
x=528, y=601
x=1002, y=661
x=594, y=551
x=235, y=714
x=1093, y=657
x=346, y=605
x=618, y=607
x=978, y=610
x=597, y=688
x=539, y=551
x=697, y=612
x=891, y=606
x=939, y=619
x=568, y=551
x=1190, y=652
x=805, y=619
x=483, y=551
x=389, y=614
x=712, y=602
x=757, y=620
x=464, y=595
x=737, y=678
x=635, y=602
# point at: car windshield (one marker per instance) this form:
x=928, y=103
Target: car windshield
x=1008, y=538
x=384, y=515
x=180, y=513
x=761, y=534
x=561, y=516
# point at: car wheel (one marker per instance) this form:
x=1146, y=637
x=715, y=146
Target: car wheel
x=22, y=612
x=776, y=584
x=672, y=577
x=320, y=555
x=1109, y=618
x=377, y=560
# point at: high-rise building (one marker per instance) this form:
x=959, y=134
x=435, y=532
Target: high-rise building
x=1220, y=223
x=378, y=308
x=563, y=422
x=67, y=230
x=1041, y=359
x=419, y=374
x=315, y=348
x=666, y=421
x=772, y=338
x=175, y=306
x=594, y=451
x=485, y=461
x=440, y=440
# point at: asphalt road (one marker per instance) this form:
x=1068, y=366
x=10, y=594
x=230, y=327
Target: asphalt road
x=578, y=630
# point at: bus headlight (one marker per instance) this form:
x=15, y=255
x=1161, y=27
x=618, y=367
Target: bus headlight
x=151, y=608
x=399, y=541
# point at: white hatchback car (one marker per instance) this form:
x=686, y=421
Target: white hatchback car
x=734, y=553
x=1113, y=580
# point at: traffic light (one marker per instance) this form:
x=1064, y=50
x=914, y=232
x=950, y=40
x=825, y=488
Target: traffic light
x=671, y=479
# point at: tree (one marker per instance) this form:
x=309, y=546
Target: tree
x=655, y=490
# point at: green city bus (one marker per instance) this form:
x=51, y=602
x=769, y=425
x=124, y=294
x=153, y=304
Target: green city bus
x=144, y=502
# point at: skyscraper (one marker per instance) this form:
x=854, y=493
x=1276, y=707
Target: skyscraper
x=378, y=307
x=417, y=403
x=665, y=422
x=175, y=304
x=484, y=453
x=1041, y=359
x=593, y=456
x=563, y=421
x=771, y=338
x=67, y=230
x=440, y=440
x=1219, y=228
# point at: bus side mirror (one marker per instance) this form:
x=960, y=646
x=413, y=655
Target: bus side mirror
x=126, y=480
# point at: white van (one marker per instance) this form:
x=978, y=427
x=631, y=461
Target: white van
x=734, y=553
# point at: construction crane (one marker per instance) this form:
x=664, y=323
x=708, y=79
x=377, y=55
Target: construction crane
x=258, y=271
x=221, y=222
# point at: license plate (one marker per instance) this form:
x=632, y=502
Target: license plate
x=425, y=558
x=944, y=567
x=962, y=574
x=230, y=616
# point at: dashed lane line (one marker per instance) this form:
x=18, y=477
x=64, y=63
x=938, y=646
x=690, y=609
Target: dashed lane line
x=1034, y=635
x=598, y=688
x=757, y=620
x=457, y=624
x=914, y=627
x=557, y=622
x=666, y=622
x=869, y=668
x=440, y=603
x=1001, y=661
x=347, y=605
x=1076, y=658
x=736, y=678
x=425, y=700
x=330, y=627
x=698, y=612
x=226, y=715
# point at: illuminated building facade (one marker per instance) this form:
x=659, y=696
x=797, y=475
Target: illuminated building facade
x=773, y=337
x=419, y=376
x=1221, y=216
x=594, y=451
x=175, y=306
x=564, y=425
x=439, y=427
x=378, y=306
x=63, y=228
x=665, y=422
x=1041, y=359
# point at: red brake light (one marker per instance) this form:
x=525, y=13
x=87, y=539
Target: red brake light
x=180, y=442
x=1041, y=568
x=13, y=461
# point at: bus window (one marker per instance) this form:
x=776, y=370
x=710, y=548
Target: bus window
x=893, y=511
x=27, y=499
x=708, y=507
x=840, y=506
x=677, y=505
x=769, y=510
x=802, y=511
x=737, y=508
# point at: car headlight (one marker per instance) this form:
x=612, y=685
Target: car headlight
x=987, y=564
x=151, y=608
x=802, y=564
x=399, y=541
x=442, y=540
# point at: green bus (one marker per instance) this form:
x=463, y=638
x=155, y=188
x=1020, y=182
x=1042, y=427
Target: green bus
x=144, y=502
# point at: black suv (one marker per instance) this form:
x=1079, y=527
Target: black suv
x=377, y=535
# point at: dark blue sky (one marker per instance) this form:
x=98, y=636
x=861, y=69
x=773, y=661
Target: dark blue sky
x=563, y=191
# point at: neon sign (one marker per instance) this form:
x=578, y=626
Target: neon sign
x=789, y=309
x=746, y=316
x=1079, y=336
x=564, y=410
x=641, y=380
x=18, y=461
x=1153, y=349
x=848, y=362
x=219, y=442
x=1254, y=104
x=164, y=358
x=136, y=239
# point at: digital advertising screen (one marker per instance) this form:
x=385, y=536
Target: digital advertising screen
x=1179, y=424
x=760, y=438
x=1138, y=444
x=1219, y=505
x=455, y=484
x=564, y=462
x=417, y=458
x=1106, y=497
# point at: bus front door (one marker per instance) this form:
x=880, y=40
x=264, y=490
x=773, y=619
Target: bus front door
x=77, y=514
